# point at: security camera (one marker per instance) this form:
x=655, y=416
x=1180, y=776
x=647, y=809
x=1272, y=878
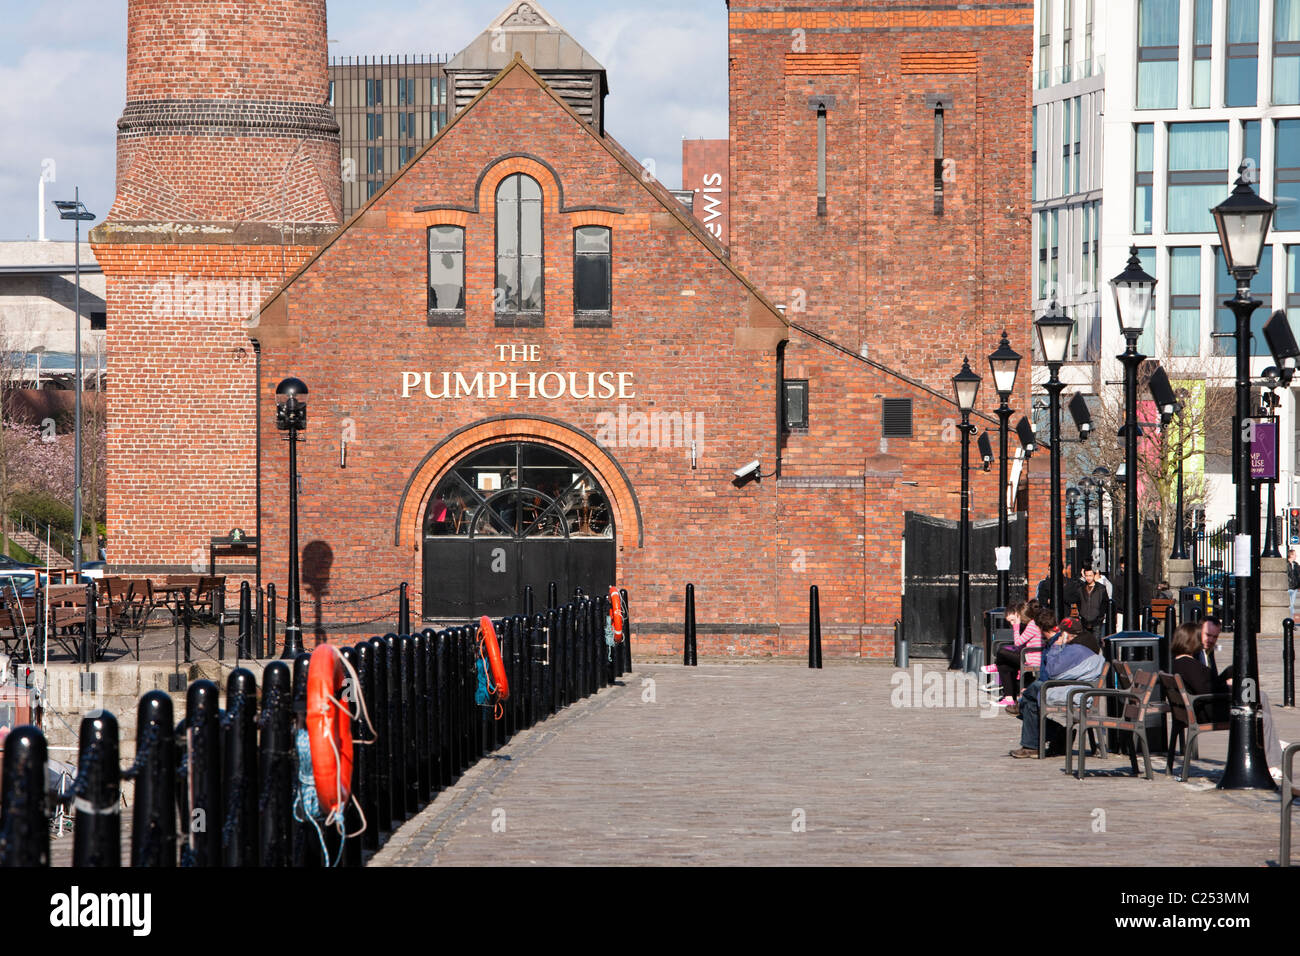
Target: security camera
x=747, y=471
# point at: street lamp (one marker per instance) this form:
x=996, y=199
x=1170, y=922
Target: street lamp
x=1054, y=330
x=1242, y=220
x=1134, y=290
x=986, y=449
x=1071, y=502
x=1082, y=416
x=1004, y=362
x=1086, y=484
x=966, y=385
x=74, y=209
x=1025, y=432
x=1167, y=402
x=291, y=416
x=1101, y=478
x=1271, y=400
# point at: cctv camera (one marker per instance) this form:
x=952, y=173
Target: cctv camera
x=747, y=471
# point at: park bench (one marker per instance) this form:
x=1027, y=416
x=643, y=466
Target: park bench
x=1288, y=801
x=1046, y=710
x=1132, y=719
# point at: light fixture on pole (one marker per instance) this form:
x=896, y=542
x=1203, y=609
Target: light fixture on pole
x=291, y=416
x=1082, y=416
x=74, y=209
x=1004, y=362
x=1086, y=484
x=1242, y=220
x=1101, y=479
x=986, y=449
x=1025, y=432
x=1134, y=291
x=1054, y=331
x=1167, y=402
x=966, y=385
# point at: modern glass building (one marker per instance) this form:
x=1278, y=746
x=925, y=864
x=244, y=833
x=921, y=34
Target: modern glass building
x=1144, y=112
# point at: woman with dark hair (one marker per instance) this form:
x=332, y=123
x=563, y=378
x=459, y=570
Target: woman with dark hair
x=1026, y=632
x=1197, y=678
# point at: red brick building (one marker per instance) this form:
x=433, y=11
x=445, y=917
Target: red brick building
x=528, y=362
x=706, y=173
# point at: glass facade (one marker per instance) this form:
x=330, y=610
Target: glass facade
x=1143, y=166
x=1147, y=340
x=1293, y=288
x=1242, y=62
x=1286, y=176
x=1225, y=287
x=1157, y=67
x=1185, y=301
x=1286, y=51
x=1198, y=175
x=1202, y=46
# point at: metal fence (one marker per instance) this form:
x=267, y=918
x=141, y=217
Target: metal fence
x=219, y=788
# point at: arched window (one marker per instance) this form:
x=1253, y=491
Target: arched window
x=518, y=289
x=446, y=275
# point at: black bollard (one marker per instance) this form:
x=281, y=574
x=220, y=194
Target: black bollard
x=528, y=600
x=219, y=612
x=552, y=596
x=277, y=767
x=363, y=755
x=245, y=619
x=403, y=610
x=305, y=845
x=24, y=821
x=351, y=816
x=396, y=729
x=153, y=820
x=550, y=655
x=379, y=717
x=814, y=627
x=409, y=723
x=441, y=710
x=900, y=645
x=97, y=837
x=1288, y=663
x=239, y=770
x=203, y=745
x=627, y=632
x=1168, y=641
x=688, y=642
x=270, y=619
x=429, y=713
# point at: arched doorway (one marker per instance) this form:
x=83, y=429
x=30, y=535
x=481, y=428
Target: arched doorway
x=509, y=516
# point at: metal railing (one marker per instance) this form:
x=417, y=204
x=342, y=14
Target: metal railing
x=45, y=533
x=222, y=788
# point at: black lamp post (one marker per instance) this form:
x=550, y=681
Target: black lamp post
x=966, y=385
x=1242, y=220
x=1134, y=290
x=1054, y=330
x=1004, y=362
x=1271, y=401
x=1071, y=518
x=1167, y=401
x=1100, y=480
x=1086, y=485
x=291, y=416
x=74, y=209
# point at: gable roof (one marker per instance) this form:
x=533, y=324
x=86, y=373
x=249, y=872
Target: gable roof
x=616, y=151
x=524, y=27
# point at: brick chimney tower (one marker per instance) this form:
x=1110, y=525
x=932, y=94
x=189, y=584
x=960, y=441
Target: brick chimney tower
x=227, y=180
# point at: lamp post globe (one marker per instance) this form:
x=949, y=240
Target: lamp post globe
x=291, y=417
x=1242, y=221
x=965, y=386
x=1004, y=363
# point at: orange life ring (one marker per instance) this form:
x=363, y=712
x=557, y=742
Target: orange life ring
x=616, y=614
x=329, y=728
x=488, y=636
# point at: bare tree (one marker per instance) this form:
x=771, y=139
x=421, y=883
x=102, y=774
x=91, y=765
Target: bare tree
x=13, y=367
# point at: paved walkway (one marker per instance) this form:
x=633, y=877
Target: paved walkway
x=727, y=760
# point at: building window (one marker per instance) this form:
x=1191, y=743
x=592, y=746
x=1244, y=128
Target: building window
x=375, y=159
x=1293, y=287
x=1202, y=47
x=1096, y=245
x=821, y=160
x=1286, y=51
x=331, y=99
x=1225, y=287
x=98, y=321
x=374, y=92
x=592, y=270
x=1286, y=177
x=372, y=187
x=1147, y=340
x=796, y=404
x=1198, y=174
x=405, y=90
x=1033, y=157
x=1085, y=273
x=1067, y=154
x=438, y=90
x=1157, y=69
x=446, y=270
x=896, y=417
x=434, y=124
x=1087, y=37
x=1242, y=62
x=1185, y=301
x=1055, y=254
x=519, y=248
x=374, y=126
x=1143, y=170
x=1044, y=43
x=1043, y=233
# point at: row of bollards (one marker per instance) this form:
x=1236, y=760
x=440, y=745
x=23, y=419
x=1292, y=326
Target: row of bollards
x=688, y=641
x=1288, y=663
x=690, y=646
x=218, y=789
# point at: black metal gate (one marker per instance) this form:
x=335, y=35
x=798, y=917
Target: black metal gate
x=930, y=572
x=509, y=517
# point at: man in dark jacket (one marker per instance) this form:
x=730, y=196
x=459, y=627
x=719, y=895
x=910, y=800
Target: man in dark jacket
x=1094, y=606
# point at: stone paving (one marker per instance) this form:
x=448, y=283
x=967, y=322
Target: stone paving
x=771, y=763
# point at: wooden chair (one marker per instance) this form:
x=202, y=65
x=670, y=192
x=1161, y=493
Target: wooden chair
x=1136, y=700
x=20, y=617
x=1192, y=716
x=67, y=616
x=1066, y=710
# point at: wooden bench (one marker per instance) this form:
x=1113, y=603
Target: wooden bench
x=1192, y=716
x=1066, y=709
x=1132, y=719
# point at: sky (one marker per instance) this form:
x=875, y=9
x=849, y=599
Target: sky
x=63, y=70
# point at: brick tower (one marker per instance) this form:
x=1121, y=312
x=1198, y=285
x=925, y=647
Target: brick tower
x=227, y=180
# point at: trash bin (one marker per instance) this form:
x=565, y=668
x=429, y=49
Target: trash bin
x=995, y=626
x=1143, y=650
x=1194, y=604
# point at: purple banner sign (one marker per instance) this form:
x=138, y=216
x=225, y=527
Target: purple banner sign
x=1263, y=452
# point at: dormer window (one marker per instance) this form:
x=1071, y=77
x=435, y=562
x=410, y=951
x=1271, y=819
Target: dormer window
x=592, y=293
x=446, y=275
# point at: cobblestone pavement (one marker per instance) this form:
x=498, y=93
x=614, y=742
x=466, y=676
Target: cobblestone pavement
x=728, y=760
